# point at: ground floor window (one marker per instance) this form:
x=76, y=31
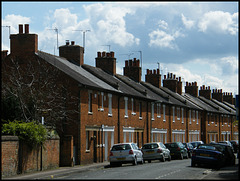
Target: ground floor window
x=178, y=135
x=159, y=135
x=194, y=136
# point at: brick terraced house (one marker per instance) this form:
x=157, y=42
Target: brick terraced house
x=93, y=108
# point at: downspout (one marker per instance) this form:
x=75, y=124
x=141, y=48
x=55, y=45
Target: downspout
x=79, y=127
x=187, y=113
x=119, y=119
x=170, y=124
x=147, y=124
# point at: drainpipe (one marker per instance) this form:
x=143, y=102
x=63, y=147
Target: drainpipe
x=119, y=119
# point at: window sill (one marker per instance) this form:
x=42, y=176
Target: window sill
x=90, y=113
x=109, y=115
x=87, y=151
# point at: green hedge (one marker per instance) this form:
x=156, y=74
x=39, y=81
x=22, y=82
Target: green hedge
x=33, y=133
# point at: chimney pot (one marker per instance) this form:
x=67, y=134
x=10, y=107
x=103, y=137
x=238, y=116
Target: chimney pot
x=171, y=75
x=174, y=76
x=179, y=79
x=112, y=54
x=72, y=42
x=20, y=29
x=186, y=83
x=126, y=63
x=67, y=42
x=147, y=71
x=26, y=28
x=165, y=76
x=154, y=71
x=99, y=54
x=203, y=87
x=103, y=54
x=208, y=87
x=158, y=71
x=108, y=54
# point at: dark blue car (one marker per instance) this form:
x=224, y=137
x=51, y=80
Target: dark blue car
x=207, y=154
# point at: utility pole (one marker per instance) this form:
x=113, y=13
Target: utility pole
x=9, y=27
x=56, y=30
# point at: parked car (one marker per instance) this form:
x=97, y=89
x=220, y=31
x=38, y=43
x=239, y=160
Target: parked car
x=177, y=150
x=196, y=143
x=235, y=145
x=229, y=157
x=226, y=142
x=155, y=151
x=189, y=148
x=207, y=154
x=125, y=153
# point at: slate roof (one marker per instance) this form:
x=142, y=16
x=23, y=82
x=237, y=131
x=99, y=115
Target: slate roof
x=121, y=86
x=199, y=102
x=144, y=90
x=76, y=72
x=162, y=93
x=228, y=109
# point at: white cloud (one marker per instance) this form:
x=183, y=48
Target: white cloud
x=162, y=39
x=187, y=23
x=162, y=24
x=109, y=23
x=219, y=22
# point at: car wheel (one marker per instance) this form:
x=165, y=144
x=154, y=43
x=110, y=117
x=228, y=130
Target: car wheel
x=149, y=161
x=169, y=157
x=135, y=161
x=163, y=159
x=181, y=156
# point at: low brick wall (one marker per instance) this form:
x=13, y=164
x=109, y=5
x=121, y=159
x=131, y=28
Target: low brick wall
x=19, y=158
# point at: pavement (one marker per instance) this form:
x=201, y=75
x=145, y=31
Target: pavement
x=61, y=171
x=225, y=173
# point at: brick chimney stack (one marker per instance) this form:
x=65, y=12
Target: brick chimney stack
x=133, y=70
x=73, y=53
x=173, y=83
x=192, y=88
x=23, y=43
x=153, y=78
x=107, y=62
x=228, y=97
x=217, y=94
x=205, y=92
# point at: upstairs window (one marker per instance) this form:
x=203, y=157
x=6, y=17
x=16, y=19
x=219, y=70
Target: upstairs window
x=164, y=111
x=126, y=107
x=173, y=109
x=152, y=111
x=109, y=104
x=182, y=115
x=90, y=102
x=158, y=110
x=140, y=110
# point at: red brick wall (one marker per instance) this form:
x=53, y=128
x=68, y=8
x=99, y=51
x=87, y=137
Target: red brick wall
x=30, y=159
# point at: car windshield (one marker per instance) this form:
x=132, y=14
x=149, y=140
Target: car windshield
x=150, y=146
x=121, y=147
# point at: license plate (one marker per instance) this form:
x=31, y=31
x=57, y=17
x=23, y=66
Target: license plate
x=206, y=155
x=123, y=158
x=150, y=152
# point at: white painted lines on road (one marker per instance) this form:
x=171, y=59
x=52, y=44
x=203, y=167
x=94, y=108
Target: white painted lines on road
x=170, y=173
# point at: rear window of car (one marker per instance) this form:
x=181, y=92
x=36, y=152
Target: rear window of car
x=121, y=147
x=150, y=146
x=206, y=147
x=171, y=145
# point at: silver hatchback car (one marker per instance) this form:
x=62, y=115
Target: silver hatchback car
x=125, y=153
x=155, y=151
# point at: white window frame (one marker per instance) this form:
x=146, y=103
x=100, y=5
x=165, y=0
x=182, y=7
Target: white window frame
x=133, y=113
x=126, y=107
x=182, y=115
x=109, y=104
x=152, y=111
x=173, y=109
x=178, y=113
x=158, y=110
x=164, y=112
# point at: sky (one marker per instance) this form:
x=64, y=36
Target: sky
x=197, y=41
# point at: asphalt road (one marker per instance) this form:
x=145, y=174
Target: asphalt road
x=175, y=169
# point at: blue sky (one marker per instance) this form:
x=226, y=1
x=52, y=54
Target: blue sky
x=197, y=41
